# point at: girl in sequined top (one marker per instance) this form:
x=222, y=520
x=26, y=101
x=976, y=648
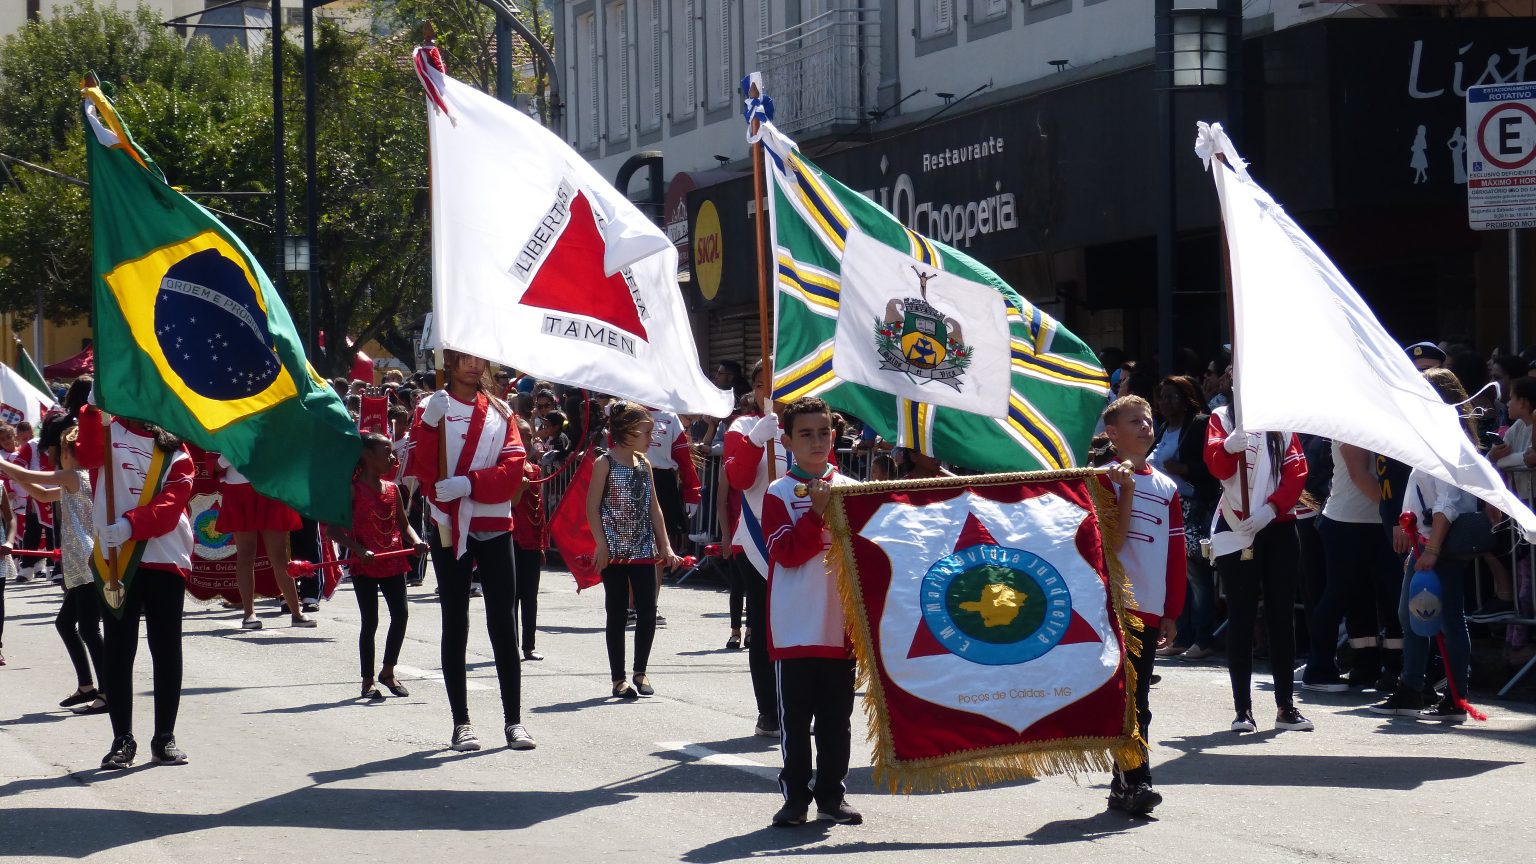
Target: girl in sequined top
x=626, y=521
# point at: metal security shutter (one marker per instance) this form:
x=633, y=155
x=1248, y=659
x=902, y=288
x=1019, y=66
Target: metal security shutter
x=733, y=338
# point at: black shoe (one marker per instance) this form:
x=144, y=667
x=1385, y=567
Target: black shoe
x=1387, y=682
x=1289, y=718
x=395, y=687
x=622, y=690
x=733, y=643
x=842, y=814
x=165, y=751
x=791, y=814
x=1322, y=682
x=124, y=748
x=1444, y=711
x=661, y=620
x=372, y=694
x=1139, y=800
x=1402, y=703
x=643, y=684
x=1244, y=722
x=310, y=606
x=77, y=697
x=531, y=654
x=767, y=727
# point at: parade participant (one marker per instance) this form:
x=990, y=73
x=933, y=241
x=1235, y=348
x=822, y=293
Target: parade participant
x=625, y=518
x=1426, y=355
x=379, y=525
x=528, y=548
x=1514, y=457
x=251, y=516
x=32, y=526
x=1451, y=529
x=1177, y=453
x=471, y=501
x=747, y=472
x=677, y=482
x=1257, y=555
x=7, y=563
x=79, y=618
x=807, y=636
x=1149, y=540
x=151, y=483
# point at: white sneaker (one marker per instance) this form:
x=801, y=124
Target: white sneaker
x=518, y=737
x=702, y=538
x=464, y=740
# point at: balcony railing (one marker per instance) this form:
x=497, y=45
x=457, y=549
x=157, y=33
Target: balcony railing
x=824, y=71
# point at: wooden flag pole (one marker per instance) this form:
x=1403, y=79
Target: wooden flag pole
x=764, y=259
x=444, y=530
x=1237, y=419
x=114, y=587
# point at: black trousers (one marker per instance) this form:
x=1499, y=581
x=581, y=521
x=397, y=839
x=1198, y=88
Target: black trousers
x=496, y=576
x=737, y=601
x=820, y=689
x=1271, y=576
x=368, y=591
x=79, y=625
x=765, y=687
x=1142, y=661
x=619, y=580
x=36, y=536
x=2, y=611
x=528, y=562
x=157, y=596
x=1362, y=574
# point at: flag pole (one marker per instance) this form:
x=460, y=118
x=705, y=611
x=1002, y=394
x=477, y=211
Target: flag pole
x=114, y=585
x=1237, y=419
x=763, y=260
x=444, y=530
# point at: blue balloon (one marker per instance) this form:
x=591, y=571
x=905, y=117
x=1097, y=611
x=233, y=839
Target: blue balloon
x=1424, y=606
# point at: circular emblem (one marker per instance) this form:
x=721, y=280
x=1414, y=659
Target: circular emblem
x=211, y=329
x=995, y=605
x=708, y=261
x=212, y=545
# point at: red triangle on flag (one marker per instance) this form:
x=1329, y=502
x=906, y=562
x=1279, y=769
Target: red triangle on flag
x=973, y=534
x=571, y=278
x=1078, y=631
x=924, y=643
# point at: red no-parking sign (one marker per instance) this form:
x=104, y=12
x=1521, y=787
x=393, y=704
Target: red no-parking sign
x=1501, y=156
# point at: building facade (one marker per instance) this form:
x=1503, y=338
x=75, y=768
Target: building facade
x=1029, y=133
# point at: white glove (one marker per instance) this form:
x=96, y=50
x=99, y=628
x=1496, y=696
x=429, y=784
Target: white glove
x=764, y=430
x=1237, y=441
x=224, y=463
x=434, y=408
x=90, y=398
x=693, y=510
x=452, y=489
x=1259, y=518
x=116, y=534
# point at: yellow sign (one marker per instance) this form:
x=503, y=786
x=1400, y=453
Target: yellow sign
x=708, y=263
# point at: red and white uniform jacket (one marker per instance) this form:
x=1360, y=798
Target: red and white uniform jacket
x=1154, y=555
x=483, y=446
x=805, y=614
x=30, y=456
x=162, y=523
x=746, y=471
x=669, y=452
x=1226, y=535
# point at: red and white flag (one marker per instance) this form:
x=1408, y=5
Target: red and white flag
x=539, y=264
x=20, y=400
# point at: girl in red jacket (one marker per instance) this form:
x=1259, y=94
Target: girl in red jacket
x=1276, y=471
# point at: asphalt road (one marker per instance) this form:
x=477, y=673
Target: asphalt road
x=287, y=765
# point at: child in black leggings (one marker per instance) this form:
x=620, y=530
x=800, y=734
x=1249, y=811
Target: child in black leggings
x=631, y=534
x=379, y=525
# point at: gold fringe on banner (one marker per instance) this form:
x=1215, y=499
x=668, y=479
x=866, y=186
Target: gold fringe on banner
x=970, y=769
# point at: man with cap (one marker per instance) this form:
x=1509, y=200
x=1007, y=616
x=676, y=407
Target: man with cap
x=1426, y=355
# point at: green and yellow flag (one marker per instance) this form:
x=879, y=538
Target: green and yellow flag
x=191, y=335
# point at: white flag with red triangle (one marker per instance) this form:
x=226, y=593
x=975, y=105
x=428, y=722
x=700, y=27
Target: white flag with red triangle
x=20, y=400
x=538, y=263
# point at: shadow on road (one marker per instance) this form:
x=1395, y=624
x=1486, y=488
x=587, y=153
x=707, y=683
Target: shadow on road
x=1197, y=766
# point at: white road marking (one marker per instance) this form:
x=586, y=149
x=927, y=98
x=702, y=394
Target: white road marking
x=433, y=675
x=729, y=760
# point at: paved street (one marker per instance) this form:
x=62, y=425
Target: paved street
x=288, y=766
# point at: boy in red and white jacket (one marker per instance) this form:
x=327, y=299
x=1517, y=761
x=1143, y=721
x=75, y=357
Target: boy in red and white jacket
x=807, y=636
x=1149, y=541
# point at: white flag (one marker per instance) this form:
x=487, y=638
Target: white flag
x=922, y=333
x=1371, y=396
x=539, y=264
x=20, y=400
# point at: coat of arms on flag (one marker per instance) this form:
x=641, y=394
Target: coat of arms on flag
x=990, y=625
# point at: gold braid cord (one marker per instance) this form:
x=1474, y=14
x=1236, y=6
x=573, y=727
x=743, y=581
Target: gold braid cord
x=970, y=769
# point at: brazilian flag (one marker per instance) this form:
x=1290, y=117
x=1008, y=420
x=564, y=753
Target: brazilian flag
x=190, y=334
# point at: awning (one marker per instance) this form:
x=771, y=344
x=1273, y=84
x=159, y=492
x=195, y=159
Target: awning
x=83, y=363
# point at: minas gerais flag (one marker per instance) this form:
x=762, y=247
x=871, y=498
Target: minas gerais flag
x=191, y=335
x=917, y=339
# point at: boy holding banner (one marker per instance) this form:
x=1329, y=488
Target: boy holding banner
x=1148, y=538
x=807, y=635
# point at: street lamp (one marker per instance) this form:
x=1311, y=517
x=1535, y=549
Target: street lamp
x=296, y=253
x=1199, y=47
